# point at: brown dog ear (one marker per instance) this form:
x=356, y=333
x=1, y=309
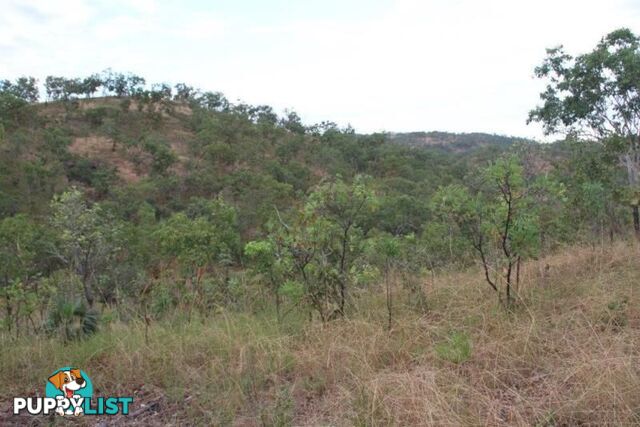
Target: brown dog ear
x=76, y=373
x=57, y=379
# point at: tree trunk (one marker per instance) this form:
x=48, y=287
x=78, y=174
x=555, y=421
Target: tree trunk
x=88, y=292
x=508, y=280
x=343, y=275
x=387, y=275
x=87, y=275
x=630, y=161
x=518, y=273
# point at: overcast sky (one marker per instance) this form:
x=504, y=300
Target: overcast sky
x=406, y=65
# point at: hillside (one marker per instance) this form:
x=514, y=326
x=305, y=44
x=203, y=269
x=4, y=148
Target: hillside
x=113, y=146
x=227, y=265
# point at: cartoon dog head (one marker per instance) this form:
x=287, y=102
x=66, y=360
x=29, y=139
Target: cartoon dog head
x=68, y=381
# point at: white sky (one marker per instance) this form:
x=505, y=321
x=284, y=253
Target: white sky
x=405, y=65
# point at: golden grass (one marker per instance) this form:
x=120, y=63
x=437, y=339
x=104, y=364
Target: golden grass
x=567, y=355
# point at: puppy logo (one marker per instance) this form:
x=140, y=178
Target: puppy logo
x=70, y=387
x=69, y=391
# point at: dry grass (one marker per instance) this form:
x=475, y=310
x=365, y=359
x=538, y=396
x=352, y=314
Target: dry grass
x=101, y=148
x=568, y=355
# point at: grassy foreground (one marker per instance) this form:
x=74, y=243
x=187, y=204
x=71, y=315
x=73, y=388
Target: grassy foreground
x=568, y=355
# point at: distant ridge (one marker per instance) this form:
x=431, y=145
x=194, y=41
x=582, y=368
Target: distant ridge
x=452, y=141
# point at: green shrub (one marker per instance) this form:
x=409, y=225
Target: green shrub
x=615, y=316
x=280, y=413
x=95, y=116
x=163, y=156
x=72, y=320
x=456, y=349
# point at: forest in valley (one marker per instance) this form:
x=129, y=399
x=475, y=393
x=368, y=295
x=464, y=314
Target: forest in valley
x=163, y=226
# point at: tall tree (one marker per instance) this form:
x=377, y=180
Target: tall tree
x=91, y=84
x=597, y=95
x=87, y=238
x=498, y=219
x=54, y=87
x=341, y=211
x=25, y=88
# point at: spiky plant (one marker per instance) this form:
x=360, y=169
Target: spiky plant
x=72, y=319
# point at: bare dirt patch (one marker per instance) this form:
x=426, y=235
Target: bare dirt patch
x=102, y=148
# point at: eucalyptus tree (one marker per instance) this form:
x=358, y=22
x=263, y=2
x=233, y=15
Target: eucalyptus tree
x=342, y=212
x=91, y=84
x=498, y=219
x=273, y=262
x=87, y=238
x=312, y=256
x=385, y=252
x=25, y=88
x=596, y=95
x=20, y=244
x=200, y=240
x=54, y=87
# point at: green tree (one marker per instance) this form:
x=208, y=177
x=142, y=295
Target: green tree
x=597, y=95
x=319, y=246
x=21, y=250
x=307, y=246
x=341, y=211
x=292, y=122
x=163, y=156
x=203, y=237
x=87, y=238
x=497, y=219
x=54, y=86
x=184, y=92
x=13, y=110
x=91, y=84
x=385, y=251
x=25, y=88
x=271, y=260
x=213, y=101
x=115, y=83
x=591, y=178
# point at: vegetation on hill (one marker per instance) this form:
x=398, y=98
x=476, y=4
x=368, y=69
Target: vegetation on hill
x=453, y=141
x=225, y=238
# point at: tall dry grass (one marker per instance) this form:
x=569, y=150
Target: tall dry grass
x=568, y=354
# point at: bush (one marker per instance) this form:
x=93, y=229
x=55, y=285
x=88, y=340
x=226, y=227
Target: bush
x=71, y=320
x=163, y=156
x=456, y=349
x=96, y=116
x=615, y=316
